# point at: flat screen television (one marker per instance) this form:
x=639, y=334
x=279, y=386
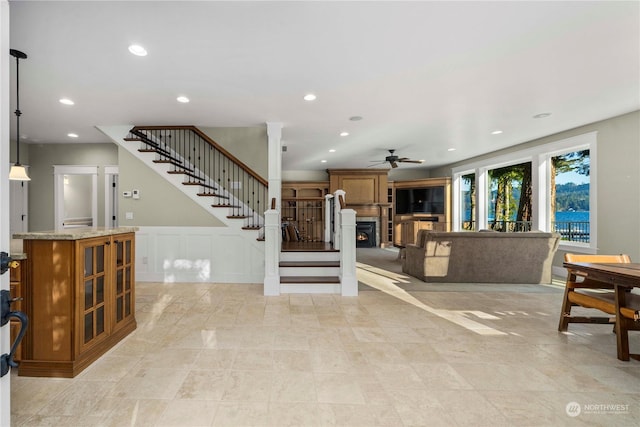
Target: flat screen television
x=429, y=200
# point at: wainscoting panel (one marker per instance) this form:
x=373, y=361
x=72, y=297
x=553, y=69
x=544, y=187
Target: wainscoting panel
x=199, y=254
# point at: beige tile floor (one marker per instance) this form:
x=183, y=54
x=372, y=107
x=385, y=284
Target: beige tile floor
x=403, y=353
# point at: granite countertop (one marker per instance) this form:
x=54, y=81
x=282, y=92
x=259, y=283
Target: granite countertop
x=74, y=233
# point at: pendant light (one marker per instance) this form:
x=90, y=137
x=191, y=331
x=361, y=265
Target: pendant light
x=18, y=172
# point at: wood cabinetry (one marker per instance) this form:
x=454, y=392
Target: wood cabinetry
x=15, y=290
x=303, y=208
x=366, y=192
x=80, y=299
x=429, y=207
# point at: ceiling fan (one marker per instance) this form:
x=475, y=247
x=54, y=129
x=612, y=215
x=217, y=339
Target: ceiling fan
x=394, y=160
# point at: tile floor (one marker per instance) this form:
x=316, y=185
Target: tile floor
x=403, y=353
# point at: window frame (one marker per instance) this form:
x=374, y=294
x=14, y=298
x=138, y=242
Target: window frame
x=540, y=158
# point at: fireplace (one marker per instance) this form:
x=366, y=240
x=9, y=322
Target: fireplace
x=365, y=234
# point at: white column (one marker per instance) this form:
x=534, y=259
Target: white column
x=274, y=135
x=348, y=279
x=327, y=217
x=272, y=237
x=5, y=115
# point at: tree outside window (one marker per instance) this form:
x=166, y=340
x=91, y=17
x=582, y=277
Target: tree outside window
x=569, y=195
x=509, y=207
x=468, y=202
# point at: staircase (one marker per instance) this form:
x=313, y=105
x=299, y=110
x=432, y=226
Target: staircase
x=215, y=174
x=309, y=271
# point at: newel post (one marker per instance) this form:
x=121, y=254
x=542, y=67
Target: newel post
x=272, y=237
x=336, y=218
x=348, y=279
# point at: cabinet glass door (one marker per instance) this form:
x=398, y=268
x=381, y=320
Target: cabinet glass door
x=93, y=290
x=124, y=296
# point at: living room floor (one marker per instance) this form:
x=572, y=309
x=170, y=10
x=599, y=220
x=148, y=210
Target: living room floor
x=402, y=353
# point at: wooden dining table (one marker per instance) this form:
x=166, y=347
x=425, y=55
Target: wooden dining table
x=624, y=277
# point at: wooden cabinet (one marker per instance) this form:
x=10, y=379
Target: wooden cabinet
x=15, y=290
x=367, y=193
x=303, y=206
x=80, y=299
x=420, y=204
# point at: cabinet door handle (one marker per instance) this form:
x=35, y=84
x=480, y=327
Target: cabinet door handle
x=107, y=242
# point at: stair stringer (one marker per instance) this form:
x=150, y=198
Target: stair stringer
x=117, y=135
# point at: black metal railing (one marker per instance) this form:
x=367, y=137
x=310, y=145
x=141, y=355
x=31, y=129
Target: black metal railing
x=573, y=231
x=510, y=226
x=306, y=216
x=228, y=181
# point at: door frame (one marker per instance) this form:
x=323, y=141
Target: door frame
x=59, y=171
x=111, y=196
x=5, y=115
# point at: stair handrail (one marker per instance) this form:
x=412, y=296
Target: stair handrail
x=221, y=175
x=218, y=147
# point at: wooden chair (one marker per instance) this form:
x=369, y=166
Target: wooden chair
x=589, y=293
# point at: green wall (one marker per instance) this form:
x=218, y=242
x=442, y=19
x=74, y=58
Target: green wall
x=42, y=158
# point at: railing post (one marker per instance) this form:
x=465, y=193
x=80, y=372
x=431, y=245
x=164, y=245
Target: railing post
x=272, y=238
x=327, y=217
x=336, y=218
x=348, y=279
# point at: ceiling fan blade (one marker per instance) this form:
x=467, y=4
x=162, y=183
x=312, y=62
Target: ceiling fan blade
x=410, y=161
x=376, y=164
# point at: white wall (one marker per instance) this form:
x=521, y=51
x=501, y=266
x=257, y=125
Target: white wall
x=199, y=254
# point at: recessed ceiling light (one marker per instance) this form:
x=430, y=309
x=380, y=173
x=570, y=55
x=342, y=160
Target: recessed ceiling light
x=541, y=115
x=344, y=133
x=137, y=50
x=451, y=149
x=355, y=118
x=310, y=97
x=323, y=161
x=332, y=150
x=496, y=132
x=66, y=101
x=182, y=99
x=72, y=135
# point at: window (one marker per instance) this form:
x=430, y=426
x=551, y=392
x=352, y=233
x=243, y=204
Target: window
x=569, y=195
x=550, y=187
x=509, y=194
x=468, y=202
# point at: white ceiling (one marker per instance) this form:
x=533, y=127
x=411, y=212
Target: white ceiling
x=425, y=76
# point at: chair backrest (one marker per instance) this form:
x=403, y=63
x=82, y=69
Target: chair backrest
x=621, y=258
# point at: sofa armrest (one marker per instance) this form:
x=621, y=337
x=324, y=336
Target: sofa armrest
x=413, y=262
